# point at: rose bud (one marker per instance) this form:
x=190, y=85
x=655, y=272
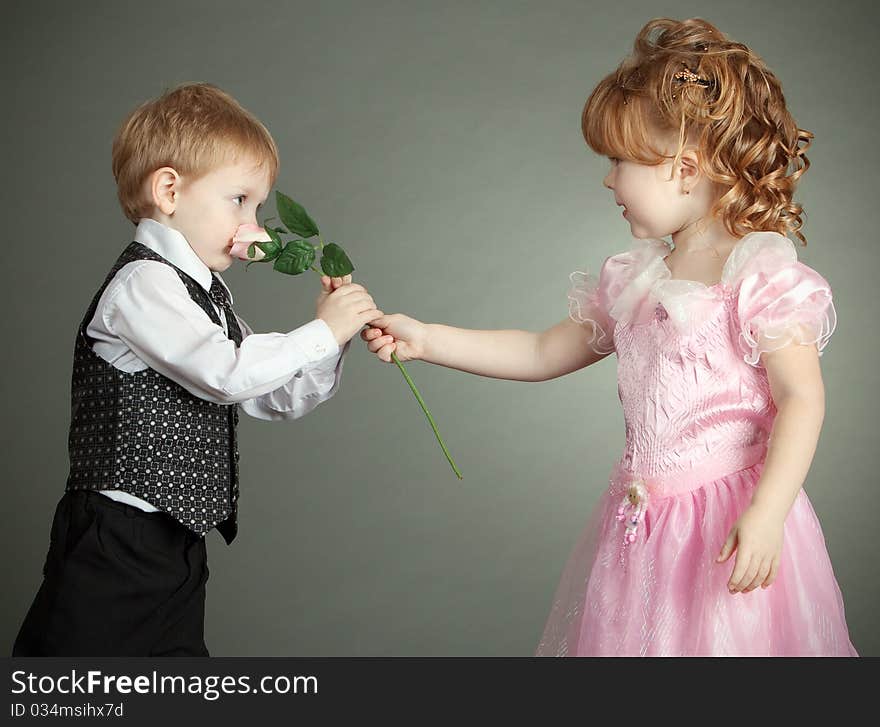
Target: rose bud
x=244, y=237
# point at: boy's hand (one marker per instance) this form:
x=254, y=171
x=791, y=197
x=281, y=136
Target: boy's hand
x=328, y=285
x=396, y=333
x=345, y=307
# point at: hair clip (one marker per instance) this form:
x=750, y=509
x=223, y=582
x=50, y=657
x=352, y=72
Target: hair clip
x=688, y=76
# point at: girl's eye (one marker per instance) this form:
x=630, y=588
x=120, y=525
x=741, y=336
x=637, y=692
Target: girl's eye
x=241, y=196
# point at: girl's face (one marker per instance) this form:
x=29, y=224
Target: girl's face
x=652, y=201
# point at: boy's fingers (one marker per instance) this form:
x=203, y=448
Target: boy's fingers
x=369, y=315
x=350, y=288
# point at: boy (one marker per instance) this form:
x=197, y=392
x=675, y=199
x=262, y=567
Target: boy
x=161, y=365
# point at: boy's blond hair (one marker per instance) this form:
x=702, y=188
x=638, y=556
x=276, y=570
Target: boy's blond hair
x=193, y=128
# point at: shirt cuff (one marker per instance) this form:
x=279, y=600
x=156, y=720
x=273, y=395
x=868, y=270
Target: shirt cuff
x=316, y=341
x=330, y=365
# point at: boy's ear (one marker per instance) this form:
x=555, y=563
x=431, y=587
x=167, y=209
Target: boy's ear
x=164, y=188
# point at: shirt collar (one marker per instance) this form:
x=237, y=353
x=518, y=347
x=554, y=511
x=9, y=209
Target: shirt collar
x=173, y=246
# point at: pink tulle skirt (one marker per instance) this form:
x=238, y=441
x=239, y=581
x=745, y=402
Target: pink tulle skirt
x=665, y=595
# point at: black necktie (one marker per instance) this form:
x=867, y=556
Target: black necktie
x=229, y=527
x=219, y=295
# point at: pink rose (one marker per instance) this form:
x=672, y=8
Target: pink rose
x=244, y=237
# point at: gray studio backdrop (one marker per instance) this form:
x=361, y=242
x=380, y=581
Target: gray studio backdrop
x=439, y=143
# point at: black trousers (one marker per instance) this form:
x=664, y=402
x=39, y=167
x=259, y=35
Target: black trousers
x=117, y=581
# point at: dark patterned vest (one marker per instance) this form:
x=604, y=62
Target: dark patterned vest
x=145, y=434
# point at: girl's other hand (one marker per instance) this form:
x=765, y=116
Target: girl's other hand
x=396, y=333
x=757, y=539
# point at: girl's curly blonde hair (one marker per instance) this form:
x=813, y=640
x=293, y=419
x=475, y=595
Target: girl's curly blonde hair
x=748, y=141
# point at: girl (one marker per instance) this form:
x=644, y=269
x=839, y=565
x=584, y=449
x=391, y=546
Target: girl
x=718, y=338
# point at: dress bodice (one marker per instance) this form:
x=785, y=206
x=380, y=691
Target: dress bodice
x=690, y=377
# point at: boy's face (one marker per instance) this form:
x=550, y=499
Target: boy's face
x=209, y=210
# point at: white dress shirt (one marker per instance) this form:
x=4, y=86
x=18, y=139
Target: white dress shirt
x=146, y=318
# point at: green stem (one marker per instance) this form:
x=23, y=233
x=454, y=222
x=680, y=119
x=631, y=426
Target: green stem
x=427, y=413
x=421, y=401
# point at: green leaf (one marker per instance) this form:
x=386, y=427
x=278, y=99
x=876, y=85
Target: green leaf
x=295, y=258
x=294, y=217
x=266, y=227
x=334, y=261
x=274, y=234
x=272, y=250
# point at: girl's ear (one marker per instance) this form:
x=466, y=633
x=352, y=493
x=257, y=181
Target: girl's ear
x=689, y=170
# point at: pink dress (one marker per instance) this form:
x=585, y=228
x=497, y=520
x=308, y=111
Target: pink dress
x=698, y=413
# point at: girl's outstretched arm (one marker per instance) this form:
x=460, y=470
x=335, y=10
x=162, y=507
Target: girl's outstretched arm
x=502, y=354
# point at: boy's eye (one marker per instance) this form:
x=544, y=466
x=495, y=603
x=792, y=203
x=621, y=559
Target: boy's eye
x=241, y=196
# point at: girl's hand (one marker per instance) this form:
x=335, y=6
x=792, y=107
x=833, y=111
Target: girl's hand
x=398, y=334
x=757, y=538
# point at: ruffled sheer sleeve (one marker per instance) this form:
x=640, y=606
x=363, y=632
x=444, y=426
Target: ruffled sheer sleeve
x=589, y=300
x=781, y=303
